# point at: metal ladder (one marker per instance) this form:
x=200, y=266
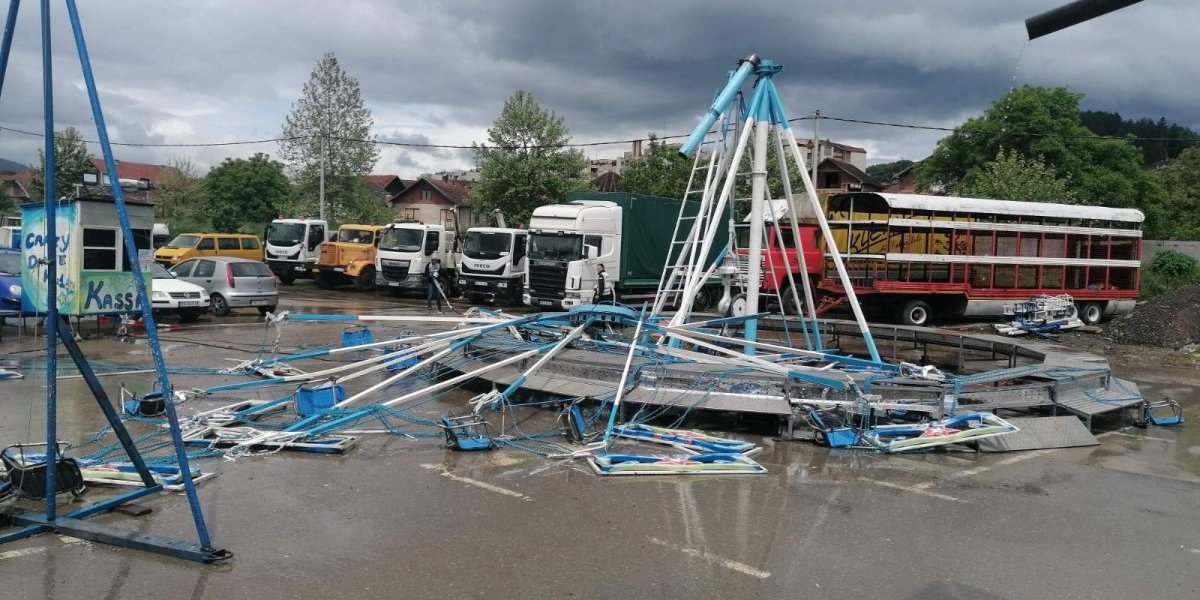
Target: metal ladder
x=682, y=255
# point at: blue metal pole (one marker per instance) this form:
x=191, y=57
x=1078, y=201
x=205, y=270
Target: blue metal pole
x=720, y=104
x=131, y=253
x=10, y=26
x=51, y=267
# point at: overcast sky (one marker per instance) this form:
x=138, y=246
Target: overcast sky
x=224, y=70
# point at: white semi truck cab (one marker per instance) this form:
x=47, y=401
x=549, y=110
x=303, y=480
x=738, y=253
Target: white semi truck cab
x=567, y=242
x=405, y=249
x=492, y=264
x=293, y=246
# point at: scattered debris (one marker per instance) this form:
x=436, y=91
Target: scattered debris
x=1041, y=316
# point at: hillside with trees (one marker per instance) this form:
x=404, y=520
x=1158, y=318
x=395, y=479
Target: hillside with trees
x=1171, y=138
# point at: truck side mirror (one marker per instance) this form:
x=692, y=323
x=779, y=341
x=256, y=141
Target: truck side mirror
x=431, y=245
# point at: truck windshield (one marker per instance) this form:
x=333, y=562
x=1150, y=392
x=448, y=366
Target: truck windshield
x=398, y=239
x=768, y=240
x=487, y=244
x=285, y=234
x=184, y=241
x=356, y=236
x=555, y=247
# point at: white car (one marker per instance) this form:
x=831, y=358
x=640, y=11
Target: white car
x=169, y=295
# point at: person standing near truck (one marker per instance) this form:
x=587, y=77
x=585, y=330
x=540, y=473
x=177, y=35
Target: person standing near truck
x=432, y=292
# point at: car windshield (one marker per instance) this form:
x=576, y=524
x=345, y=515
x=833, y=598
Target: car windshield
x=184, y=241
x=486, y=244
x=400, y=239
x=555, y=247
x=160, y=272
x=356, y=236
x=285, y=234
x=10, y=263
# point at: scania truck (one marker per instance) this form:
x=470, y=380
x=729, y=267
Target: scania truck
x=629, y=234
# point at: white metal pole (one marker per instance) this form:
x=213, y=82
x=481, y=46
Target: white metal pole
x=831, y=245
x=437, y=387
x=758, y=192
x=794, y=221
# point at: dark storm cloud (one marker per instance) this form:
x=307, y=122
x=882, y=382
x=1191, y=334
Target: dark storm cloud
x=440, y=71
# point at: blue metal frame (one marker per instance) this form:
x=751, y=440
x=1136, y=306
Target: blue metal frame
x=70, y=524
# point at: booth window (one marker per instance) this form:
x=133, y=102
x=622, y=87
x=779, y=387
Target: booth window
x=99, y=249
x=143, y=240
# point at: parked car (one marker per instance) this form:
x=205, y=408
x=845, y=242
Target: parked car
x=231, y=282
x=194, y=245
x=169, y=295
x=10, y=281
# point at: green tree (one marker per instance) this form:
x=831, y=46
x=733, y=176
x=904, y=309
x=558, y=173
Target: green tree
x=1015, y=177
x=1044, y=122
x=884, y=172
x=179, y=199
x=525, y=163
x=660, y=171
x=245, y=193
x=71, y=161
x=329, y=128
x=1178, y=216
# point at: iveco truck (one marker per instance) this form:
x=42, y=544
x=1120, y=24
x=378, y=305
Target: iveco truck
x=404, y=250
x=293, y=246
x=491, y=267
x=629, y=234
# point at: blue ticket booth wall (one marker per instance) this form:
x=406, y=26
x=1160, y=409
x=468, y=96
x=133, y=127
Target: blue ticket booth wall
x=94, y=274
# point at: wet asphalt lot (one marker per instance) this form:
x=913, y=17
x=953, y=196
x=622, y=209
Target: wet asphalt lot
x=404, y=518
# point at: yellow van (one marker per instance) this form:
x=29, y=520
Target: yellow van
x=191, y=245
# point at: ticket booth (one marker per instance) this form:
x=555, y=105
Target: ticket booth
x=94, y=274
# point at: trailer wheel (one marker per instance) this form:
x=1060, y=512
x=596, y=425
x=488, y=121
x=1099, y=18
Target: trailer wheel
x=737, y=306
x=365, y=281
x=790, y=307
x=1090, y=312
x=915, y=312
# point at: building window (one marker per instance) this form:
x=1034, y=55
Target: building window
x=144, y=242
x=410, y=213
x=426, y=194
x=447, y=216
x=100, y=249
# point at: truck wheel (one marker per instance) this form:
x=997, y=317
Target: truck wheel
x=915, y=312
x=286, y=278
x=365, y=281
x=322, y=280
x=707, y=299
x=790, y=306
x=1090, y=312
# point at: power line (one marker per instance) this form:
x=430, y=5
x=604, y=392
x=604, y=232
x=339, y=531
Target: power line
x=623, y=141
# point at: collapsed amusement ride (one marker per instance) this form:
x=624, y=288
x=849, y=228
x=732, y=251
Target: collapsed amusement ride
x=612, y=384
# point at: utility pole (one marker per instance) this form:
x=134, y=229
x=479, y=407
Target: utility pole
x=321, y=193
x=816, y=155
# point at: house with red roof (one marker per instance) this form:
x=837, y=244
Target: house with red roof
x=435, y=200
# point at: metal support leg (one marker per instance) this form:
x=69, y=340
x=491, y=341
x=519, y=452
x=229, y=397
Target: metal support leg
x=114, y=420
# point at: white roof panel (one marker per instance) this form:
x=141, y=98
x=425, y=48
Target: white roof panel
x=990, y=206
